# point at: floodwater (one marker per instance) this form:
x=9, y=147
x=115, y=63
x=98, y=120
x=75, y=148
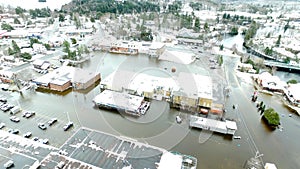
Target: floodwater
x=158, y=126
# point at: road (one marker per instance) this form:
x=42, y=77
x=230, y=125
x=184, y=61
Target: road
x=278, y=146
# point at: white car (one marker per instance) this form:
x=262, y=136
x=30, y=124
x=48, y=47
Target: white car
x=2, y=125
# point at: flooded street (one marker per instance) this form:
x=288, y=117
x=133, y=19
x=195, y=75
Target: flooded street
x=158, y=126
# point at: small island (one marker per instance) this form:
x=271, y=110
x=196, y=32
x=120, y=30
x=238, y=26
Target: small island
x=271, y=117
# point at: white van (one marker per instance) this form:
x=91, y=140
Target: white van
x=8, y=164
x=15, y=110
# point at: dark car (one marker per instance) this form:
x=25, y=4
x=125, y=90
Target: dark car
x=52, y=121
x=14, y=131
x=35, y=139
x=67, y=126
x=27, y=135
x=42, y=126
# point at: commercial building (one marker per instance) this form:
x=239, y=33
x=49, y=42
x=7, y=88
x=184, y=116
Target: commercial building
x=67, y=77
x=224, y=127
x=124, y=47
x=127, y=103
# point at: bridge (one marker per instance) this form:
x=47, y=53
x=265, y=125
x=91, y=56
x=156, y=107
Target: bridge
x=282, y=65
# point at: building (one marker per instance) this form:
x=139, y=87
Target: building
x=195, y=92
x=6, y=76
x=270, y=83
x=224, y=127
x=124, y=47
x=292, y=94
x=60, y=84
x=66, y=77
x=84, y=79
x=41, y=64
x=121, y=101
x=156, y=49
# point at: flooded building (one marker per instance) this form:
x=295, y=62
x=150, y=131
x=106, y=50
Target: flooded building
x=130, y=104
x=66, y=77
x=124, y=47
x=195, y=92
x=224, y=127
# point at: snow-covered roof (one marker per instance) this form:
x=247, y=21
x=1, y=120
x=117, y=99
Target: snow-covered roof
x=181, y=57
x=169, y=160
x=195, y=85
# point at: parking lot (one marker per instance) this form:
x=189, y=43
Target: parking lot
x=99, y=150
x=19, y=160
x=42, y=114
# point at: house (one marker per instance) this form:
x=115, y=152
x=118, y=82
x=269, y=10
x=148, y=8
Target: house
x=41, y=64
x=292, y=94
x=270, y=83
x=6, y=76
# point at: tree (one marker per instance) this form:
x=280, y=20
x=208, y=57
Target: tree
x=73, y=41
x=287, y=60
x=206, y=28
x=15, y=47
x=16, y=21
x=77, y=21
x=220, y=60
x=26, y=56
x=278, y=41
x=66, y=46
x=34, y=40
x=10, y=51
x=7, y=27
x=286, y=27
x=292, y=81
x=47, y=46
x=234, y=31
x=61, y=17
x=197, y=25
x=92, y=19
x=221, y=47
x=272, y=117
x=268, y=51
x=19, y=10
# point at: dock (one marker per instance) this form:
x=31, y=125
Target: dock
x=224, y=127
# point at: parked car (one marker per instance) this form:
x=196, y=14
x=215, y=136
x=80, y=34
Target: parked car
x=14, y=119
x=2, y=125
x=67, y=126
x=9, y=164
x=27, y=135
x=44, y=141
x=60, y=165
x=13, y=131
x=52, y=121
x=42, y=126
x=28, y=114
x=237, y=137
x=35, y=139
x=3, y=100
